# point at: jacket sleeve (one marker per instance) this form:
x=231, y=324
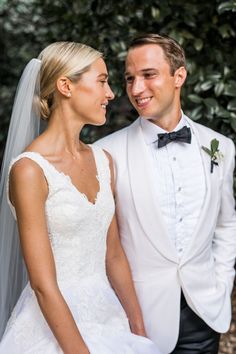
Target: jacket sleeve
x=224, y=241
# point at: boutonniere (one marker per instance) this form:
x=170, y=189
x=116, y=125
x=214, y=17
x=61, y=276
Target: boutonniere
x=214, y=153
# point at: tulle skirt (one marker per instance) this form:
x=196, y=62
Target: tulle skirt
x=97, y=311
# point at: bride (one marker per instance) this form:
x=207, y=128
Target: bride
x=80, y=298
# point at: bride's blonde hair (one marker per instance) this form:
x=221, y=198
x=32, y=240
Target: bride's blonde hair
x=68, y=59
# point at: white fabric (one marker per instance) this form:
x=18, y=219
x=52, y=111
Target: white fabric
x=180, y=191
x=205, y=271
x=24, y=127
x=77, y=231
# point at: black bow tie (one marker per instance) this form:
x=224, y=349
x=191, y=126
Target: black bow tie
x=183, y=135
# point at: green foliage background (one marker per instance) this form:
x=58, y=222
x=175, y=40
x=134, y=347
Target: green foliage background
x=206, y=29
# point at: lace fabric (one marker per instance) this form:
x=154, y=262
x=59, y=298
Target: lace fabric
x=77, y=230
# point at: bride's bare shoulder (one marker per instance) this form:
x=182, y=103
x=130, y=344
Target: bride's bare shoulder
x=25, y=169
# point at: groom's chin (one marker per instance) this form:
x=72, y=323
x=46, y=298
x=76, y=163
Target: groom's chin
x=148, y=117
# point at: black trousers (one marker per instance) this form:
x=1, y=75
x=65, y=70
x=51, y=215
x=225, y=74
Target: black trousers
x=195, y=336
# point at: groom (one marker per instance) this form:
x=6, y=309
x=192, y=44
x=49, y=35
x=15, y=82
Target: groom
x=175, y=205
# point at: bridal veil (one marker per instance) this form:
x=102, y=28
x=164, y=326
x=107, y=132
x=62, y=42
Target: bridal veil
x=24, y=127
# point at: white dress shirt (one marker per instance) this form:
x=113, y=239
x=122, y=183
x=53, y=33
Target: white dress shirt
x=180, y=182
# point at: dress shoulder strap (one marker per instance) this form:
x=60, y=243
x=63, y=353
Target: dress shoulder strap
x=102, y=164
x=36, y=157
x=43, y=164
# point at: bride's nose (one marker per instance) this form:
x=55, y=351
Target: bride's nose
x=109, y=94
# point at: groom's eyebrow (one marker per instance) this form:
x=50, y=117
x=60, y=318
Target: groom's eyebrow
x=143, y=71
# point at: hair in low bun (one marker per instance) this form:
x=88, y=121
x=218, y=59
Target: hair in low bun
x=44, y=109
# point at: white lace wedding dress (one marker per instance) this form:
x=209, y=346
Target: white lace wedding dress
x=77, y=230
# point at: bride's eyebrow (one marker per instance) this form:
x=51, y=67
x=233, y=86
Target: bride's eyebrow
x=103, y=76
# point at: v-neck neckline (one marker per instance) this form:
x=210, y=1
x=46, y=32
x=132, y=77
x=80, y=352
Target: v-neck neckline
x=69, y=179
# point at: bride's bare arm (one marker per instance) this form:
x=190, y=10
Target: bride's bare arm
x=119, y=275
x=28, y=193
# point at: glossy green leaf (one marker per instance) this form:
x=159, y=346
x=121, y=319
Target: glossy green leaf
x=214, y=145
x=219, y=88
x=198, y=44
x=223, y=113
x=230, y=89
x=205, y=86
x=155, y=13
x=195, y=98
x=232, y=105
x=227, y=6
x=196, y=113
x=208, y=151
x=233, y=123
x=226, y=31
x=212, y=104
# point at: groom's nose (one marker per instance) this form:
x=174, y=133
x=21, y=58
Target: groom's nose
x=137, y=86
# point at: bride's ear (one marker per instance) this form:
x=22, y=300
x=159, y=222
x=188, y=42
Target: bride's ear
x=64, y=86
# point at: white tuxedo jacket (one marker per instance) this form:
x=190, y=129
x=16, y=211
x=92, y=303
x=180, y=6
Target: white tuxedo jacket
x=206, y=270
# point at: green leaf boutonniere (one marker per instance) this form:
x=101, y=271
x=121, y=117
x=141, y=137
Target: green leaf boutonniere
x=214, y=153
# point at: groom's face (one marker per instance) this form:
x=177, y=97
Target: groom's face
x=150, y=86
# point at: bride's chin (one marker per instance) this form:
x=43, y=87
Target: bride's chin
x=99, y=122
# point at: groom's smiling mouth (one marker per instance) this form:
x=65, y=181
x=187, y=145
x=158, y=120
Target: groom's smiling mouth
x=143, y=102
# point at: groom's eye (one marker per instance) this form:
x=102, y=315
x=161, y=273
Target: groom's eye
x=147, y=76
x=129, y=79
x=150, y=74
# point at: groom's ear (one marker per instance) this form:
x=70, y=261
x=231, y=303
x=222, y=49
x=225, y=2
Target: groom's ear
x=64, y=86
x=180, y=76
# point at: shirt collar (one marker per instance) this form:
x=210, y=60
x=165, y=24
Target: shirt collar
x=150, y=130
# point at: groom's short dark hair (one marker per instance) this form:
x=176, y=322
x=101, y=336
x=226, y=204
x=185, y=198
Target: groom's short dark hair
x=173, y=51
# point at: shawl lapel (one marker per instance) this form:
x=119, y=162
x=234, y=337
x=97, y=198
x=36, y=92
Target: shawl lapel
x=141, y=177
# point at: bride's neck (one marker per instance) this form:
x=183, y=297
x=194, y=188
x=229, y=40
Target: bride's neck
x=65, y=134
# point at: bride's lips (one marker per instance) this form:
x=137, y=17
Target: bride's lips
x=104, y=105
x=142, y=102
